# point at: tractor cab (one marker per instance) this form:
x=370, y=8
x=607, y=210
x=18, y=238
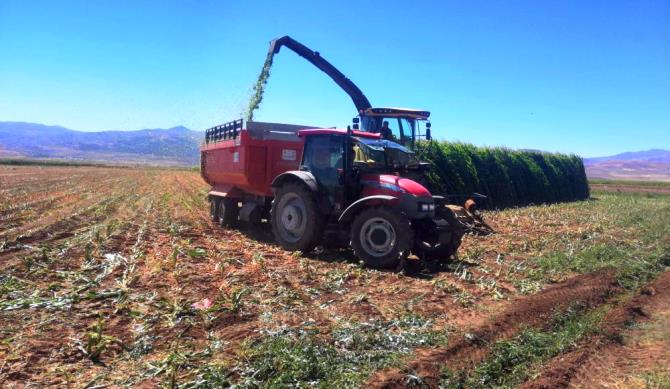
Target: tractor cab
x=401, y=125
x=373, y=168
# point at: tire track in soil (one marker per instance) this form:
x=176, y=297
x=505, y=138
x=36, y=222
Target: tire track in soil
x=590, y=289
x=603, y=357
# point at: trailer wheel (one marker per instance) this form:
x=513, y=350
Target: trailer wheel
x=296, y=221
x=227, y=212
x=381, y=237
x=214, y=209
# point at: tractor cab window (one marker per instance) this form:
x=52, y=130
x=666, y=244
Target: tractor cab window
x=374, y=154
x=390, y=129
x=398, y=129
x=323, y=158
x=407, y=129
x=369, y=155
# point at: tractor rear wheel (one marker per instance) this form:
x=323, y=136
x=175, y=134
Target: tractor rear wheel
x=227, y=212
x=381, y=237
x=296, y=221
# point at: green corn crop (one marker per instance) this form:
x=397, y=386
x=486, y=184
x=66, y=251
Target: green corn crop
x=507, y=177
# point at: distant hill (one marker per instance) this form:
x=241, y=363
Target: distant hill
x=179, y=146
x=651, y=165
x=172, y=146
x=653, y=155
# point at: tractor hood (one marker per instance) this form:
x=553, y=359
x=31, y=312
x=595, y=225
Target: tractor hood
x=392, y=185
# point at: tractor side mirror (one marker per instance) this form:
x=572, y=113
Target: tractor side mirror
x=428, y=135
x=355, y=120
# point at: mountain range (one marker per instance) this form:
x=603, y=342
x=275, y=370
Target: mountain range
x=179, y=146
x=648, y=165
x=172, y=146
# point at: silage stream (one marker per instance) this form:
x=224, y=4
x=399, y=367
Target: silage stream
x=259, y=87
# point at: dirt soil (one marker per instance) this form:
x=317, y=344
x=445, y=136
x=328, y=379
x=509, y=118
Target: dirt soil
x=589, y=290
x=635, y=340
x=101, y=268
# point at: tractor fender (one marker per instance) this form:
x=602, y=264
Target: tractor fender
x=309, y=181
x=353, y=208
x=303, y=177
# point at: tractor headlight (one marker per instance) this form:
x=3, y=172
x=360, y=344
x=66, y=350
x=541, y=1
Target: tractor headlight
x=424, y=207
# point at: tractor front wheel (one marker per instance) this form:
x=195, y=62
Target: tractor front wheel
x=381, y=237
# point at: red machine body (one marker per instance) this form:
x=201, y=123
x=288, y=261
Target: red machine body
x=343, y=194
x=244, y=161
x=391, y=185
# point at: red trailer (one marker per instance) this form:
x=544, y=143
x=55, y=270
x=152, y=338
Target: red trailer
x=240, y=159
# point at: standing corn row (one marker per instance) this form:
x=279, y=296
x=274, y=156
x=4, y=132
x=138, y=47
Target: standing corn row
x=508, y=177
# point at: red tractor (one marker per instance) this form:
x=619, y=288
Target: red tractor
x=348, y=188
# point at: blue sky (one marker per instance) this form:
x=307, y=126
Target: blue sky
x=589, y=77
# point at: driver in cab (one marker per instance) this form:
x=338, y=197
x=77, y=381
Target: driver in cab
x=385, y=131
x=322, y=164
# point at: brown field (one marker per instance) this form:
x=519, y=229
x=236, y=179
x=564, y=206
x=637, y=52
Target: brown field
x=631, y=187
x=101, y=268
x=629, y=170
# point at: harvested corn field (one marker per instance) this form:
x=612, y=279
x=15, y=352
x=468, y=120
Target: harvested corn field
x=117, y=277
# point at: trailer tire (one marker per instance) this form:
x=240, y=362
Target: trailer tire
x=381, y=237
x=214, y=209
x=297, y=224
x=227, y=212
